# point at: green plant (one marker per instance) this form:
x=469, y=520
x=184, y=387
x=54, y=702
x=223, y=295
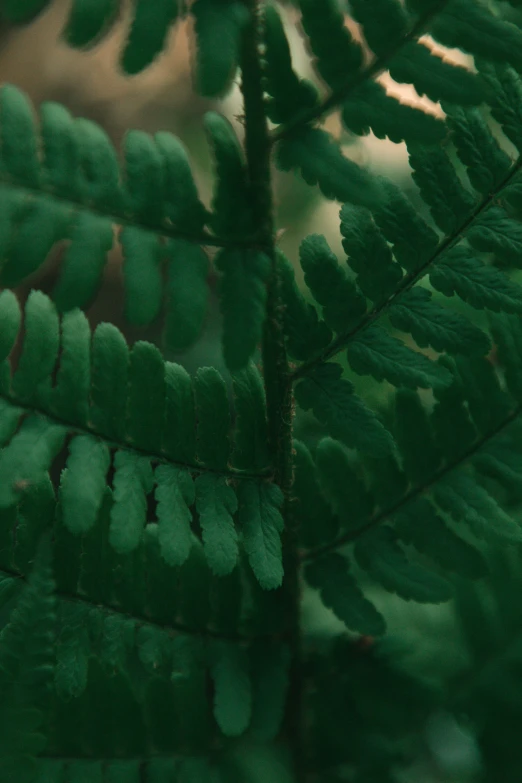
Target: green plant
x=160, y=534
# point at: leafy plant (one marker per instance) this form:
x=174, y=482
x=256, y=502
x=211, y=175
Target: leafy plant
x=198, y=572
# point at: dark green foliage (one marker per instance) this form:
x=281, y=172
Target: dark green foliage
x=189, y=594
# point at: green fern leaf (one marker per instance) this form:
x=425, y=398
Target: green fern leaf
x=175, y=494
x=232, y=688
x=179, y=438
x=19, y=160
x=338, y=56
x=486, y=163
x=187, y=294
x=110, y=370
x=310, y=502
x=216, y=504
x=488, y=403
x=289, y=95
x=343, y=488
x=70, y=396
x=133, y=480
x=245, y=275
x=495, y=232
x=368, y=254
x=182, y=204
x=419, y=524
x=40, y=346
x=72, y=651
x=451, y=204
x=454, y=431
x=146, y=396
x=340, y=592
x=150, y=25
x=218, y=28
x=342, y=304
x=262, y=524
x=505, y=99
x=472, y=27
x=230, y=203
x=415, y=312
x=384, y=23
x=413, y=432
x=306, y=335
x=83, y=483
x=9, y=421
x=466, y=501
x=28, y=457
x=369, y=107
x=99, y=176
x=250, y=438
x=213, y=413
x=435, y=77
x=378, y=553
x=321, y=162
x=375, y=352
x=42, y=224
x=88, y=21
x=460, y=272
x=141, y=275
x=10, y=320
x=80, y=166
x=144, y=175
x=413, y=241
x=343, y=413
x=507, y=333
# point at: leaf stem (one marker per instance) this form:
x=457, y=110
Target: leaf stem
x=278, y=386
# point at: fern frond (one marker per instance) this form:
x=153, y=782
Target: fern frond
x=472, y=27
x=318, y=157
x=430, y=497
x=414, y=63
x=429, y=323
x=342, y=412
x=289, y=95
x=74, y=191
x=375, y=352
x=146, y=421
x=461, y=272
x=368, y=254
x=342, y=304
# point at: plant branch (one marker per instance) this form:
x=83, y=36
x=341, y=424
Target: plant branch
x=376, y=67
x=231, y=473
x=414, y=493
x=171, y=626
x=276, y=369
x=162, y=228
x=408, y=281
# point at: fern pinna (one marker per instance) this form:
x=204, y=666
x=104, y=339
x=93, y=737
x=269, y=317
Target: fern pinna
x=207, y=577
